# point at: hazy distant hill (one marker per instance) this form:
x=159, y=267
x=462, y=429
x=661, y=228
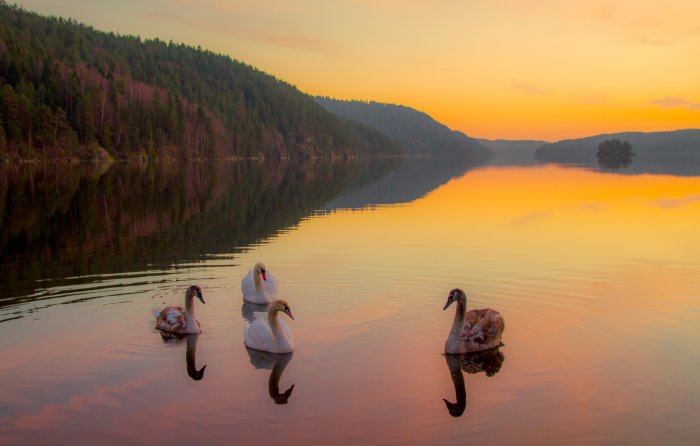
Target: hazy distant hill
x=416, y=132
x=675, y=152
x=66, y=89
x=512, y=153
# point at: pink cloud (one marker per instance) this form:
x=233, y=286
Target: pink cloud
x=676, y=102
x=529, y=88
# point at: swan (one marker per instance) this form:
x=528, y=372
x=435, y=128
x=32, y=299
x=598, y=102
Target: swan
x=268, y=333
x=473, y=330
x=259, y=286
x=176, y=319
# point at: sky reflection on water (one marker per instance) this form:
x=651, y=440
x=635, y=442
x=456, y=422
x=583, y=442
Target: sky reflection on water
x=594, y=273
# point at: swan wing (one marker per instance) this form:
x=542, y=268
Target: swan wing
x=492, y=324
x=171, y=318
x=258, y=334
x=482, y=329
x=270, y=285
x=285, y=341
x=247, y=284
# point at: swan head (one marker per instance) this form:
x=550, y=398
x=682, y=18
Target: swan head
x=195, y=291
x=455, y=295
x=281, y=305
x=260, y=269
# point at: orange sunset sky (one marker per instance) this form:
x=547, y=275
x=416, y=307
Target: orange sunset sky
x=549, y=69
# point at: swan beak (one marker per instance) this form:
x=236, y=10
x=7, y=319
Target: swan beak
x=288, y=311
x=263, y=274
x=449, y=302
x=200, y=296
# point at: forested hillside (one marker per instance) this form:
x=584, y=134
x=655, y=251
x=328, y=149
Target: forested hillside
x=67, y=90
x=416, y=132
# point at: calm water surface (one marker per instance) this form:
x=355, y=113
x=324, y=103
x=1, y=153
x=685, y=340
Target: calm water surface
x=595, y=273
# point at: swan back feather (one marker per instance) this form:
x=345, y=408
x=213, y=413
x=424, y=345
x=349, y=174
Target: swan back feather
x=176, y=319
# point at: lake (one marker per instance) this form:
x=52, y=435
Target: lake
x=596, y=274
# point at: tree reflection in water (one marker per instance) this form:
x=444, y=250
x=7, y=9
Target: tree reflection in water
x=59, y=222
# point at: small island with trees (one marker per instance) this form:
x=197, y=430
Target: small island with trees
x=614, y=154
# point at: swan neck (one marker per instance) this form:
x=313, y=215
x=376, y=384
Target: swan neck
x=189, y=312
x=257, y=280
x=460, y=311
x=274, y=323
x=189, y=303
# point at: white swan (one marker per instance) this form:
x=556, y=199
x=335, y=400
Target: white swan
x=176, y=319
x=474, y=330
x=268, y=333
x=259, y=286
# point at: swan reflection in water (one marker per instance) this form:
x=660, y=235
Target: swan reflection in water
x=190, y=352
x=277, y=362
x=487, y=361
x=249, y=308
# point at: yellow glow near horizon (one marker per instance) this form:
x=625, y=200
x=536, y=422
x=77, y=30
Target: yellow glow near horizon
x=553, y=216
x=501, y=69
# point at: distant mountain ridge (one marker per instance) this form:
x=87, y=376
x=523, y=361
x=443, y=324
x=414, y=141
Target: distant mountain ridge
x=416, y=132
x=674, y=152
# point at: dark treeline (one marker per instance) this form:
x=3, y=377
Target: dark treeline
x=67, y=90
